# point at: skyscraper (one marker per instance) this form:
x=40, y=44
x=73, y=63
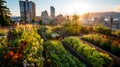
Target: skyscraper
x=45, y=17
x=52, y=12
x=27, y=10
x=44, y=14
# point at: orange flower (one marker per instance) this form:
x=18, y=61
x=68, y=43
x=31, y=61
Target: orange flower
x=15, y=56
x=11, y=53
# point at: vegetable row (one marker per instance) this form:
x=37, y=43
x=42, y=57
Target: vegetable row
x=57, y=56
x=24, y=48
x=104, y=42
x=98, y=59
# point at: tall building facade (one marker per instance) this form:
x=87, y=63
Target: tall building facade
x=44, y=14
x=45, y=17
x=52, y=12
x=27, y=10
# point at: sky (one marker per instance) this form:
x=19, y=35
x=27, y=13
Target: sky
x=68, y=7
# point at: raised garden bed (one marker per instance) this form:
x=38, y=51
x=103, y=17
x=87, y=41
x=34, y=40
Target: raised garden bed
x=116, y=60
x=105, y=42
x=98, y=59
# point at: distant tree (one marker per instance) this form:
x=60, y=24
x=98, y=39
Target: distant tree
x=4, y=14
x=75, y=18
x=40, y=21
x=67, y=19
x=111, y=22
x=21, y=21
x=51, y=22
x=33, y=20
x=13, y=22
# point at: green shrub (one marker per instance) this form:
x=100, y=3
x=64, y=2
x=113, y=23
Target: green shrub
x=116, y=33
x=102, y=29
x=84, y=29
x=71, y=28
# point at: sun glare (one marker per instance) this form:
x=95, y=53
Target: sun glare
x=79, y=8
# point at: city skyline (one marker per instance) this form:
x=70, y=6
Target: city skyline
x=68, y=7
x=27, y=10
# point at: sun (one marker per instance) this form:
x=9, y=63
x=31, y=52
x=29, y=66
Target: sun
x=80, y=8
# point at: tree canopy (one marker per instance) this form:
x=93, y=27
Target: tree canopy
x=4, y=14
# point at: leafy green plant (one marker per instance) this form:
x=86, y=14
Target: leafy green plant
x=3, y=32
x=84, y=30
x=116, y=33
x=102, y=29
x=56, y=55
x=26, y=49
x=50, y=34
x=104, y=42
x=90, y=53
x=47, y=32
x=71, y=28
x=3, y=48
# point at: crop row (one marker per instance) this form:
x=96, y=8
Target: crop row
x=23, y=47
x=104, y=42
x=98, y=59
x=57, y=56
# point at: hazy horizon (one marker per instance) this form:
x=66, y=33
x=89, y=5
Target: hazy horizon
x=68, y=7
